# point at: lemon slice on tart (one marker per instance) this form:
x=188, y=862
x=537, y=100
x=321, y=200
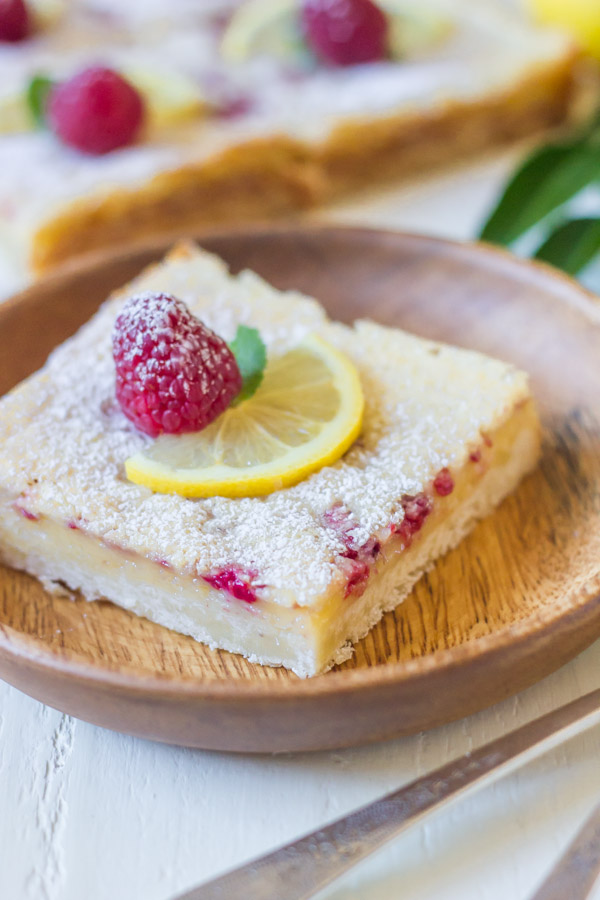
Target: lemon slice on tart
x=258, y=27
x=14, y=114
x=171, y=97
x=305, y=415
x=580, y=17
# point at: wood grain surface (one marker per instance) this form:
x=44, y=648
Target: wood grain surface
x=515, y=601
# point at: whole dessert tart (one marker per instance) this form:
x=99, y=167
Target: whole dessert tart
x=222, y=458
x=118, y=118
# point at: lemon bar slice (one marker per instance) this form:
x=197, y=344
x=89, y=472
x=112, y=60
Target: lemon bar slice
x=292, y=578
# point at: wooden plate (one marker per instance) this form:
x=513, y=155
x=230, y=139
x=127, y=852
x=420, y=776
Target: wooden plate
x=515, y=601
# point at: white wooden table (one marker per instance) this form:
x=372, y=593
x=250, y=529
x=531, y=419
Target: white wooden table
x=86, y=814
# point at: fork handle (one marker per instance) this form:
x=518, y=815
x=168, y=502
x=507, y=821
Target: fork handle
x=299, y=870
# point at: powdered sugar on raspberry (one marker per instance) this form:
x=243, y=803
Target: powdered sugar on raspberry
x=174, y=374
x=426, y=406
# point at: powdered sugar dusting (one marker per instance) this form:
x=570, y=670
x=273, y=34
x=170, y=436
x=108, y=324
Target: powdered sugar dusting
x=63, y=439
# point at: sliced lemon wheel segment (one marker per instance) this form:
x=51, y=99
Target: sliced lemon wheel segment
x=305, y=415
x=580, y=17
x=170, y=96
x=14, y=114
x=258, y=27
x=414, y=28
x=47, y=13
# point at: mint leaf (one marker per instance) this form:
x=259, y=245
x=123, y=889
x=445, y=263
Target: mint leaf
x=548, y=178
x=38, y=90
x=572, y=245
x=251, y=356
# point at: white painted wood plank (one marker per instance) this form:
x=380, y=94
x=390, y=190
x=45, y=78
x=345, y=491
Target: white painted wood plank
x=35, y=749
x=146, y=820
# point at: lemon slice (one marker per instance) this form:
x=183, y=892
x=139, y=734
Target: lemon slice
x=47, y=13
x=414, y=28
x=579, y=17
x=305, y=414
x=263, y=27
x=15, y=116
x=171, y=97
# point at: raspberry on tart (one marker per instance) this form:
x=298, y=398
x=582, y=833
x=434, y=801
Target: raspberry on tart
x=416, y=509
x=15, y=22
x=443, y=483
x=345, y=32
x=298, y=575
x=96, y=111
x=233, y=582
x=173, y=373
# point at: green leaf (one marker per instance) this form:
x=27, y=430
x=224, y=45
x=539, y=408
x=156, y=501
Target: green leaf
x=572, y=245
x=251, y=356
x=546, y=180
x=38, y=90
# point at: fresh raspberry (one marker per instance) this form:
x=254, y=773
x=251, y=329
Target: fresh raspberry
x=232, y=581
x=356, y=560
x=344, y=32
x=416, y=509
x=357, y=575
x=96, y=111
x=14, y=21
x=26, y=513
x=339, y=519
x=443, y=483
x=173, y=373
x=235, y=107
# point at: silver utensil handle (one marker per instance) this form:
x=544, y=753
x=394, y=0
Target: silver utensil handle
x=575, y=873
x=300, y=869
